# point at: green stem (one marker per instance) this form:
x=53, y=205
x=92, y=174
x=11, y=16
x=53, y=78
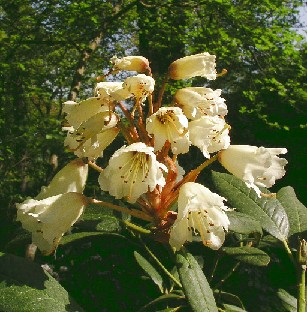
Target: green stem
x=162, y=266
x=133, y=212
x=95, y=166
x=207, y=163
x=288, y=250
x=301, y=304
x=136, y=227
x=226, y=276
x=217, y=259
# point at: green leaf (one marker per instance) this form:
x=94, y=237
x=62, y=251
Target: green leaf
x=288, y=302
x=170, y=310
x=243, y=223
x=164, y=299
x=100, y=219
x=232, y=308
x=73, y=238
x=195, y=285
x=228, y=298
x=25, y=286
x=249, y=255
x=296, y=211
x=150, y=270
x=268, y=211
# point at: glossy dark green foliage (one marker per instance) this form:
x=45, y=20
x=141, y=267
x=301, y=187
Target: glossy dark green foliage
x=195, y=285
x=25, y=286
x=268, y=211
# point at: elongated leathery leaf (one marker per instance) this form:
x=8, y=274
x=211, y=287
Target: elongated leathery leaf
x=288, y=302
x=26, y=287
x=150, y=270
x=296, y=211
x=268, y=211
x=243, y=223
x=195, y=285
x=250, y=255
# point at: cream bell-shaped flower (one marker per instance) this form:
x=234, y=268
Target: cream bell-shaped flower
x=48, y=219
x=202, y=64
x=199, y=101
x=68, y=106
x=93, y=136
x=200, y=213
x=71, y=178
x=111, y=91
x=169, y=124
x=256, y=166
x=104, y=89
x=140, y=86
x=79, y=112
x=210, y=134
x=132, y=171
x=135, y=63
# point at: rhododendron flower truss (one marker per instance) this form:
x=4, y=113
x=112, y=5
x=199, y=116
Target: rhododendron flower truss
x=209, y=134
x=256, y=166
x=132, y=171
x=200, y=213
x=48, y=219
x=169, y=124
x=202, y=64
x=93, y=136
x=198, y=101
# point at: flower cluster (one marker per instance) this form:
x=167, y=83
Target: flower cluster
x=145, y=170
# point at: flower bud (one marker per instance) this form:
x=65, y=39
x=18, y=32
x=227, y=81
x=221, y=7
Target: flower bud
x=202, y=64
x=134, y=63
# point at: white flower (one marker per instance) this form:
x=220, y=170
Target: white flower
x=48, y=219
x=199, y=101
x=135, y=63
x=71, y=178
x=169, y=124
x=132, y=171
x=80, y=112
x=56, y=208
x=256, y=166
x=140, y=86
x=202, y=64
x=68, y=106
x=93, y=135
x=105, y=88
x=200, y=212
x=210, y=134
